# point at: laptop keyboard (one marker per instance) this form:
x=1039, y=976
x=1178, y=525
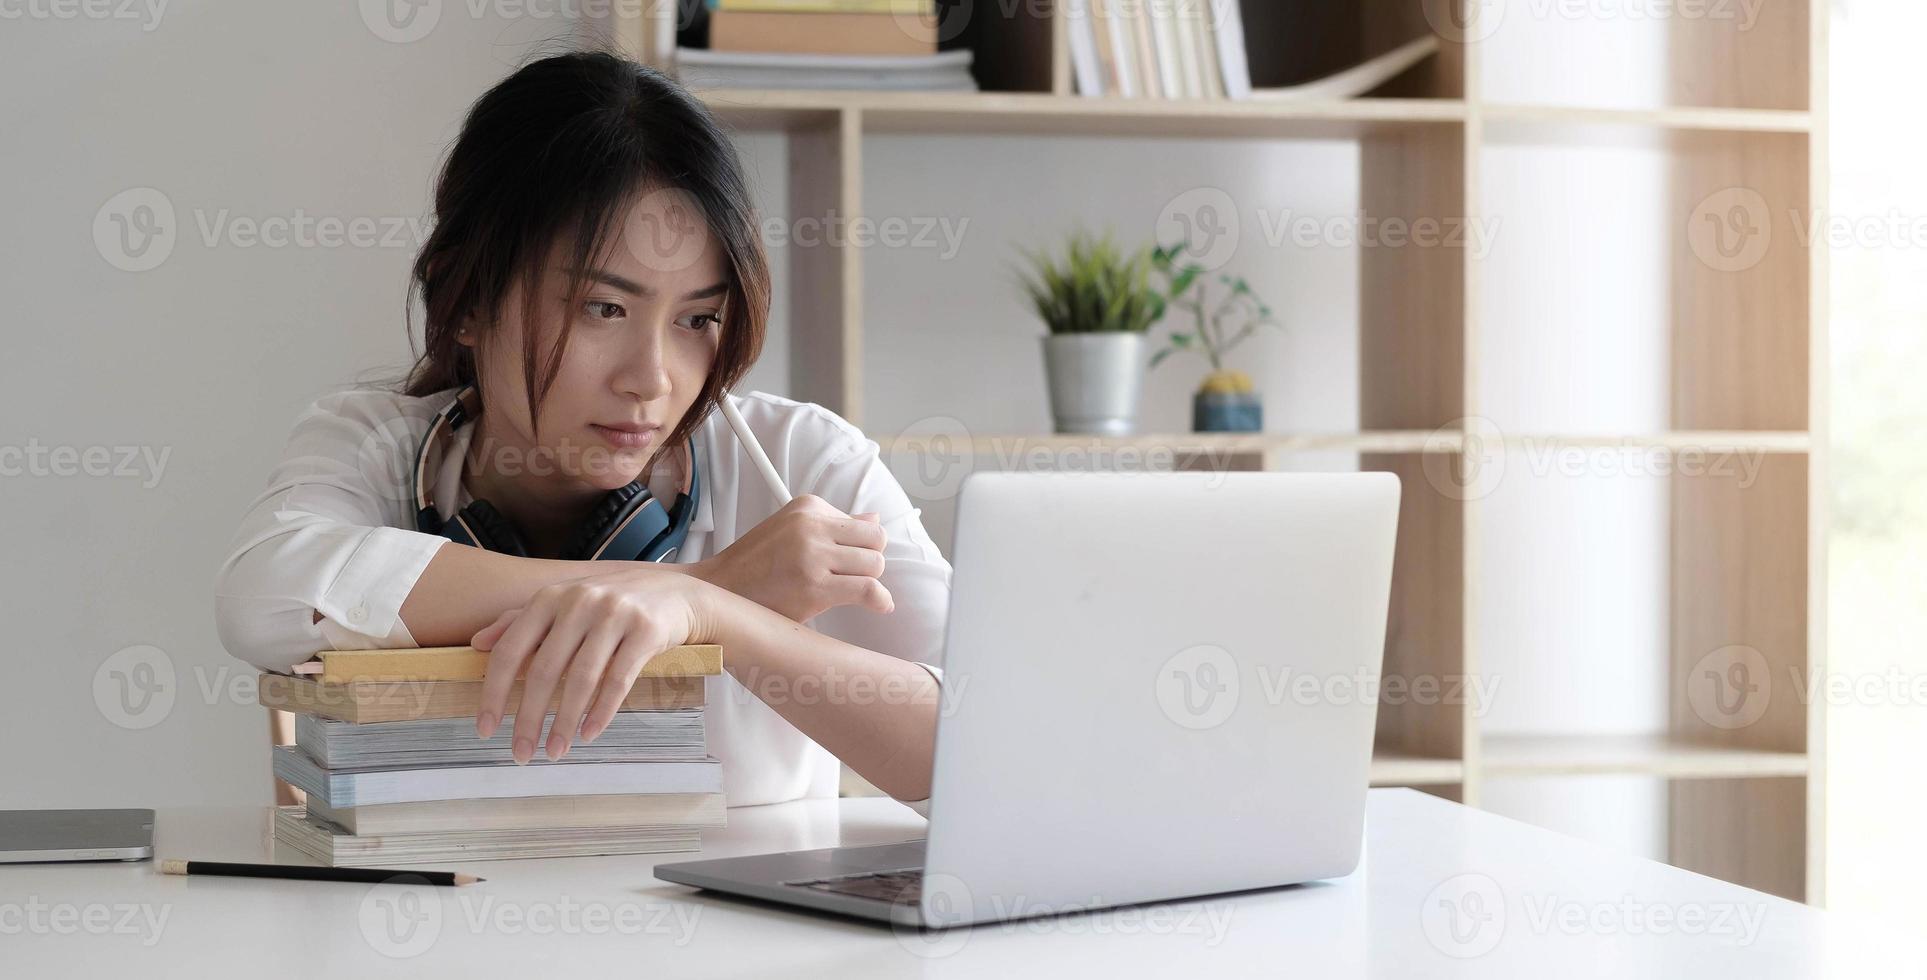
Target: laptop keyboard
x=904, y=885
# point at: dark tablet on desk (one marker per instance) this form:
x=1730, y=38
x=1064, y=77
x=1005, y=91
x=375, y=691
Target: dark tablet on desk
x=75, y=835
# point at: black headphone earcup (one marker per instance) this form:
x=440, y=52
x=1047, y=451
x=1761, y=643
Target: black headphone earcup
x=493, y=531
x=613, y=508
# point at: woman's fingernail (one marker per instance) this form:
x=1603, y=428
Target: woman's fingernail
x=485, y=725
x=524, y=751
x=557, y=746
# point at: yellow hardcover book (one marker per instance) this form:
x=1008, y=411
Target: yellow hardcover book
x=376, y=701
x=470, y=664
x=924, y=8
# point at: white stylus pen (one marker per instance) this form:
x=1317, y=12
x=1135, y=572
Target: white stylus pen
x=756, y=454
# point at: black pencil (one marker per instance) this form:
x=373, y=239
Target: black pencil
x=366, y=876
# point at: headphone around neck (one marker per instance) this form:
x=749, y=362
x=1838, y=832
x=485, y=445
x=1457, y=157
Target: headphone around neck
x=629, y=524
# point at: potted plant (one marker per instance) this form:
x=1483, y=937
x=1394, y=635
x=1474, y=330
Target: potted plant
x=1097, y=303
x=1226, y=400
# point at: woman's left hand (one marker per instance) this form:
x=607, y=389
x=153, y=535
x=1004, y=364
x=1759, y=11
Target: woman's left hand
x=592, y=637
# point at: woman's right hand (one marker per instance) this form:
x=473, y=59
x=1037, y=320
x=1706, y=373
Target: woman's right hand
x=806, y=558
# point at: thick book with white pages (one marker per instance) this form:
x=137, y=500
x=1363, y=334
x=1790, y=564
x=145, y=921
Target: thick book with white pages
x=335, y=847
x=632, y=736
x=945, y=71
x=413, y=784
x=527, y=813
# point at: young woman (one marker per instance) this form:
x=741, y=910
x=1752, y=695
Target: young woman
x=593, y=285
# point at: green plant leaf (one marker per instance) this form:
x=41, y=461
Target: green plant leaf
x=1183, y=280
x=1092, y=285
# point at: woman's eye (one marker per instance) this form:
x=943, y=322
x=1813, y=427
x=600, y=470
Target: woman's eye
x=699, y=321
x=602, y=310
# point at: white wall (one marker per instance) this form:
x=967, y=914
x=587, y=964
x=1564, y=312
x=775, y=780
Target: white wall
x=256, y=109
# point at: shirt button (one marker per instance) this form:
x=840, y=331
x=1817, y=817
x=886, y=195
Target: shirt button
x=357, y=614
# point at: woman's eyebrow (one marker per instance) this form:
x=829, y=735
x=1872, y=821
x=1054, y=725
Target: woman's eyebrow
x=634, y=288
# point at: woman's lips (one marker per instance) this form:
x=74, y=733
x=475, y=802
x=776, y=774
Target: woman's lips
x=627, y=438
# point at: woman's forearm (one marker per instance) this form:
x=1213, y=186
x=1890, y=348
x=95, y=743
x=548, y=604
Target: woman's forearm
x=464, y=589
x=875, y=712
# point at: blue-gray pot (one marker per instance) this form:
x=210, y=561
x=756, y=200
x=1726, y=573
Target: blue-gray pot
x=1222, y=411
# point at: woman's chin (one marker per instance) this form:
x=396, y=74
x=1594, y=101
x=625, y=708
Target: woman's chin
x=614, y=479
x=617, y=471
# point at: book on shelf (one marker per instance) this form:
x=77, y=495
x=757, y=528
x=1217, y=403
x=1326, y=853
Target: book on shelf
x=470, y=664
x=907, y=7
x=1164, y=50
x=1081, y=31
x=947, y=71
x=1143, y=49
x=332, y=845
x=495, y=780
x=1184, y=28
x=526, y=813
x=372, y=702
x=631, y=736
x=822, y=33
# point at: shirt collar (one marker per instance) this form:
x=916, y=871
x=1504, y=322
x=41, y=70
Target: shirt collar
x=705, y=437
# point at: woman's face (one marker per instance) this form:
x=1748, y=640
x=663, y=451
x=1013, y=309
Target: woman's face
x=644, y=340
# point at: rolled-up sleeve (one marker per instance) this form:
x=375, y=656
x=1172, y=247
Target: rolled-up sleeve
x=855, y=479
x=322, y=538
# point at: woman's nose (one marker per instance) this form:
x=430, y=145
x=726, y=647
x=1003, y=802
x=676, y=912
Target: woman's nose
x=641, y=368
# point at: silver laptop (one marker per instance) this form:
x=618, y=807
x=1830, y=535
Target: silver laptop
x=75, y=835
x=1157, y=686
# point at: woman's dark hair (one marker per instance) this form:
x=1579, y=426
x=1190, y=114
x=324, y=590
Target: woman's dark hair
x=560, y=148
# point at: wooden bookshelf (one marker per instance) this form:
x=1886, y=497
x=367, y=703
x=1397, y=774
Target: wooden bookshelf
x=1018, y=113
x=1593, y=755
x=1748, y=371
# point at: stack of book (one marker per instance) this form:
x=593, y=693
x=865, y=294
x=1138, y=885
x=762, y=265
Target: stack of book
x=386, y=752
x=824, y=44
x=1158, y=49
x=1180, y=49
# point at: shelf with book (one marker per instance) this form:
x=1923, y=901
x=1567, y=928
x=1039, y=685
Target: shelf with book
x=1738, y=359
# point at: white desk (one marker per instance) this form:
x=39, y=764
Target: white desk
x=1444, y=891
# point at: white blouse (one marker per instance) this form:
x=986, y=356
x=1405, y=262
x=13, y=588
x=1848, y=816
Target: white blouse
x=335, y=532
